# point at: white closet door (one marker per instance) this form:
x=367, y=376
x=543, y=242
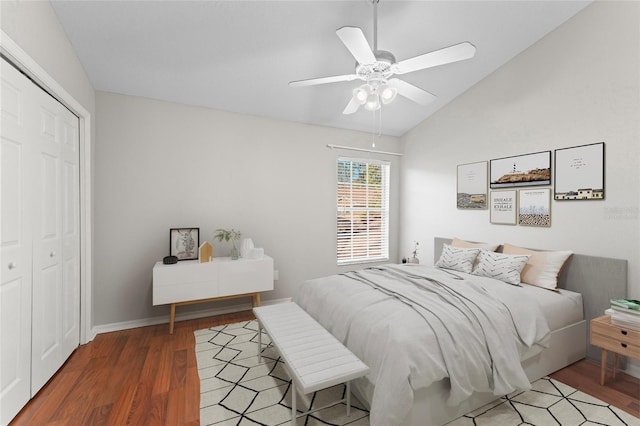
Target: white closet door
x=55, y=330
x=16, y=245
x=70, y=233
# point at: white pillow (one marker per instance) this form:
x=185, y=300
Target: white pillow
x=457, y=258
x=503, y=267
x=457, y=242
x=543, y=268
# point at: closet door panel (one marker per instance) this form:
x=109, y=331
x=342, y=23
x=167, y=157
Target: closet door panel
x=47, y=349
x=15, y=245
x=70, y=233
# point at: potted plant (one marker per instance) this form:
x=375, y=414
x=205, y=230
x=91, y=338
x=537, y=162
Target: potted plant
x=414, y=257
x=229, y=235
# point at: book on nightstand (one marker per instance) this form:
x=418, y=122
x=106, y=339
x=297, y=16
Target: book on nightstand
x=624, y=319
x=627, y=304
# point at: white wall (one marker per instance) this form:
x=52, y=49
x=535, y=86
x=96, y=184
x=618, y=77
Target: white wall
x=578, y=85
x=162, y=165
x=34, y=26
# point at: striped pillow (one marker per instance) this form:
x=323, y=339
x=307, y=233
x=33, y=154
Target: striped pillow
x=457, y=258
x=503, y=267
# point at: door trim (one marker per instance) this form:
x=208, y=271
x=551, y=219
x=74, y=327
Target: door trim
x=19, y=58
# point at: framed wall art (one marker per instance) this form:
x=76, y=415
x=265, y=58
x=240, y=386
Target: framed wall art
x=184, y=243
x=522, y=170
x=503, y=210
x=534, y=207
x=579, y=172
x=472, y=186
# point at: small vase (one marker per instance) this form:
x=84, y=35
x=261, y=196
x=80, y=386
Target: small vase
x=245, y=247
x=234, y=251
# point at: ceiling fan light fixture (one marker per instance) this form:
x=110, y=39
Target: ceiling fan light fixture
x=373, y=102
x=387, y=93
x=361, y=94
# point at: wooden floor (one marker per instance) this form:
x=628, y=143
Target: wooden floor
x=145, y=376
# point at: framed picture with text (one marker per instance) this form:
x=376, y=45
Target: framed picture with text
x=534, y=207
x=472, y=186
x=184, y=243
x=579, y=173
x=503, y=207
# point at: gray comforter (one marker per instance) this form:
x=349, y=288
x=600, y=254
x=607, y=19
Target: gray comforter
x=415, y=325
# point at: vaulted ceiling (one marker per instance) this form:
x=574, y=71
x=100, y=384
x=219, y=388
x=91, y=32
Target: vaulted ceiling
x=239, y=56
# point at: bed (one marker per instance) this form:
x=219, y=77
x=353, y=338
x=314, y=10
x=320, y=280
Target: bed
x=429, y=366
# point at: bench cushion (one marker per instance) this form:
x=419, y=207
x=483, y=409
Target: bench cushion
x=314, y=358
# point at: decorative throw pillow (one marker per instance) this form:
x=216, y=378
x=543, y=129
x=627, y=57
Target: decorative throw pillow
x=503, y=267
x=457, y=258
x=456, y=242
x=543, y=267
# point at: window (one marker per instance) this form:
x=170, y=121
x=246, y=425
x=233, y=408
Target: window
x=362, y=211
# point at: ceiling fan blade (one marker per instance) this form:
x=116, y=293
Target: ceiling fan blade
x=355, y=41
x=412, y=92
x=351, y=107
x=457, y=52
x=322, y=80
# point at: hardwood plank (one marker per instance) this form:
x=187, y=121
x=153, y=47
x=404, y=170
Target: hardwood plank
x=99, y=415
x=622, y=392
x=147, y=376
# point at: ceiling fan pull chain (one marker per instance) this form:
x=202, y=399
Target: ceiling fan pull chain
x=373, y=128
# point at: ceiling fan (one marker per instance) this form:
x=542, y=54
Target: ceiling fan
x=377, y=67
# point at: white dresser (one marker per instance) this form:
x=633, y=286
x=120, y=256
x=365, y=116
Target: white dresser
x=189, y=281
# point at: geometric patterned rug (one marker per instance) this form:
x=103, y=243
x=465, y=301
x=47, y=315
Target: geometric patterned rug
x=237, y=390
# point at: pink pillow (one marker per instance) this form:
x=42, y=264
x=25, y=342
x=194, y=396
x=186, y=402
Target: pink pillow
x=456, y=242
x=543, y=267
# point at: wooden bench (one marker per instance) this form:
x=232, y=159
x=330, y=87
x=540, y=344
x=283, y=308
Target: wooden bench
x=313, y=357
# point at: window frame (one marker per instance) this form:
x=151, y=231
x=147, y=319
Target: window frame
x=374, y=240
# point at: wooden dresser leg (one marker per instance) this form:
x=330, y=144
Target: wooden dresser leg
x=615, y=364
x=603, y=366
x=172, y=317
x=256, y=299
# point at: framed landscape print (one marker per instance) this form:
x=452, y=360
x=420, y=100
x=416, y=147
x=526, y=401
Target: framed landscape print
x=472, y=186
x=522, y=170
x=534, y=207
x=184, y=243
x=503, y=207
x=579, y=172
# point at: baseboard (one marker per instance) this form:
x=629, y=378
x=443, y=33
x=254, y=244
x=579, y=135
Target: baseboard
x=125, y=325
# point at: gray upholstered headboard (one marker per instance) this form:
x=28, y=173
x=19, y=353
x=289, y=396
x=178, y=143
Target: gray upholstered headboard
x=598, y=279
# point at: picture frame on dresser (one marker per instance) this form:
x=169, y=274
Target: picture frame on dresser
x=184, y=243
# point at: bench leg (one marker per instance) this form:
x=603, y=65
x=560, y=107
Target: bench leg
x=259, y=342
x=348, y=397
x=293, y=404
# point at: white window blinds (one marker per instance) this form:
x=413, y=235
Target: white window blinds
x=362, y=211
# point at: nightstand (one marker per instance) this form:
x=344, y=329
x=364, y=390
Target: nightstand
x=617, y=339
